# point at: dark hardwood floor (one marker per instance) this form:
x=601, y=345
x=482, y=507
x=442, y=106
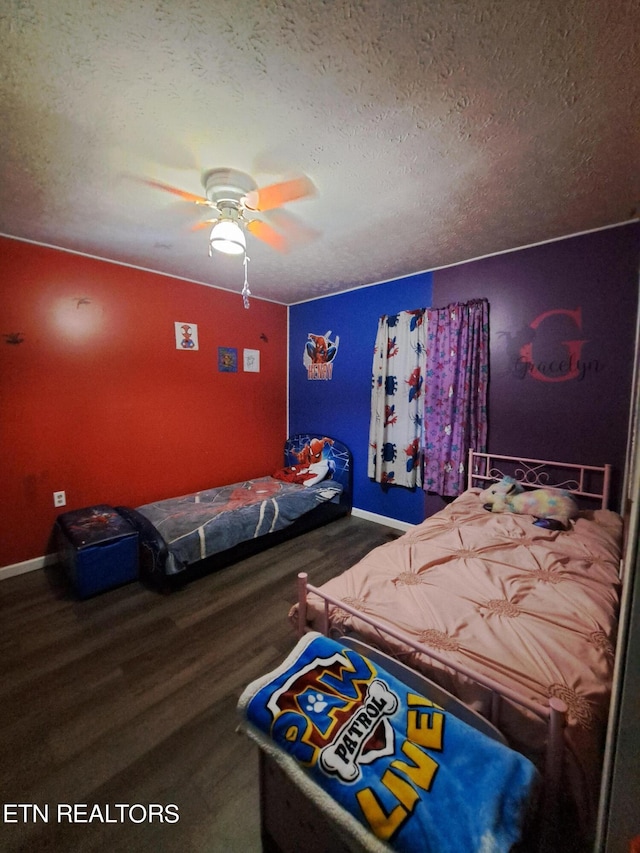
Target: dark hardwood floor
x=129, y=699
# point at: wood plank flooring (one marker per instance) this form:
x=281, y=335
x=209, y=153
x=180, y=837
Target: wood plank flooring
x=130, y=698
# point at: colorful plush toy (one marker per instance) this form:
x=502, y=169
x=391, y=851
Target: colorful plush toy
x=552, y=509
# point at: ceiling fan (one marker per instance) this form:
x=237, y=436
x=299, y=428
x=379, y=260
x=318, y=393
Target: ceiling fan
x=240, y=206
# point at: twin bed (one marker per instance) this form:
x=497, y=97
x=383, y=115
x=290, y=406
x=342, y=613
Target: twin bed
x=215, y=527
x=517, y=621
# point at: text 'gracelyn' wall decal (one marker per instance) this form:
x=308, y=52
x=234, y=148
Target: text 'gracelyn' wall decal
x=552, y=351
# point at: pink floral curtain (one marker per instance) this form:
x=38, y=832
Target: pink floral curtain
x=455, y=393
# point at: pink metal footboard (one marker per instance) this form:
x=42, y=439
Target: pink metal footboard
x=554, y=712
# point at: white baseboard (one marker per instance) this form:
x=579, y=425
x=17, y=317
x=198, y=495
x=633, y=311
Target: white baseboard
x=382, y=519
x=27, y=566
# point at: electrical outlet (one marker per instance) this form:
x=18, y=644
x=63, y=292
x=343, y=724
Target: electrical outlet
x=59, y=499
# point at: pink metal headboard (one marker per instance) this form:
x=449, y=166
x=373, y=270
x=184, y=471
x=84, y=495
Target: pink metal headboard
x=589, y=481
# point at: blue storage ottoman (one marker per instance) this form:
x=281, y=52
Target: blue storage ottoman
x=98, y=549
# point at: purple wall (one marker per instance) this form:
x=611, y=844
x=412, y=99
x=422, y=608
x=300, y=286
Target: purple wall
x=562, y=326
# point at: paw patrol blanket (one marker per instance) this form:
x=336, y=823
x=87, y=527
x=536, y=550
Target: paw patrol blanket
x=387, y=764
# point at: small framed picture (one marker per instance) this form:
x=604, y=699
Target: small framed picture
x=186, y=336
x=228, y=359
x=251, y=360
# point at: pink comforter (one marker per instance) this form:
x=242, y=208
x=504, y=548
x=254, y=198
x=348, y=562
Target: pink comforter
x=532, y=608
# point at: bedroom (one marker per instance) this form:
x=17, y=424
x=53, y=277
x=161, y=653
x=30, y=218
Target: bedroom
x=100, y=402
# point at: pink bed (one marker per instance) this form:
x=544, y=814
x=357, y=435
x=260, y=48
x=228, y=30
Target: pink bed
x=493, y=600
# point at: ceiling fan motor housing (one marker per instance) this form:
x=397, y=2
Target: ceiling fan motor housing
x=227, y=187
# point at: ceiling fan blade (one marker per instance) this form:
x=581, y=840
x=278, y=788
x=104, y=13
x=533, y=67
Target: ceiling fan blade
x=268, y=235
x=296, y=231
x=198, y=199
x=206, y=223
x=275, y=195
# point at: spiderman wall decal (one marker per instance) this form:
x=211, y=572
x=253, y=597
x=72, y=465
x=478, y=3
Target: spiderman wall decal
x=319, y=354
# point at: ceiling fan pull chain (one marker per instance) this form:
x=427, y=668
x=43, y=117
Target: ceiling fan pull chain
x=246, y=293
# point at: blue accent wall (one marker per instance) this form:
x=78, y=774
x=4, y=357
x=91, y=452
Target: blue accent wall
x=340, y=406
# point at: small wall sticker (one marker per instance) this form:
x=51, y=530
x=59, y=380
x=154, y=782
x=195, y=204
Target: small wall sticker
x=14, y=338
x=186, y=336
x=227, y=359
x=251, y=360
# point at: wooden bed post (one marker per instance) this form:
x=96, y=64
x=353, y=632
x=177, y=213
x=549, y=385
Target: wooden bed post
x=302, y=603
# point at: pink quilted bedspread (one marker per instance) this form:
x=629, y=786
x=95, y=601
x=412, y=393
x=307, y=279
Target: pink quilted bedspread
x=534, y=609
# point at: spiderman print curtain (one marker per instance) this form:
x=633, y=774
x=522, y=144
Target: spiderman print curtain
x=455, y=393
x=429, y=396
x=396, y=401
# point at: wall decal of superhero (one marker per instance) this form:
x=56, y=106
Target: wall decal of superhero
x=186, y=336
x=319, y=354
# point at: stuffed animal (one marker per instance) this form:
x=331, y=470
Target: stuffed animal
x=552, y=508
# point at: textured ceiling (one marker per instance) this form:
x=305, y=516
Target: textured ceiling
x=434, y=131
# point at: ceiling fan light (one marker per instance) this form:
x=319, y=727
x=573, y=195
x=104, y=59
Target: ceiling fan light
x=228, y=237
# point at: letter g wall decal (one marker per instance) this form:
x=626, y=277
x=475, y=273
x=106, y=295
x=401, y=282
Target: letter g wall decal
x=571, y=366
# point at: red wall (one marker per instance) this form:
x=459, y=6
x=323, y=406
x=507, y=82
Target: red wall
x=97, y=400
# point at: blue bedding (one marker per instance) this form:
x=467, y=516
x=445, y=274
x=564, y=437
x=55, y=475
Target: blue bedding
x=198, y=525
x=178, y=532
x=388, y=765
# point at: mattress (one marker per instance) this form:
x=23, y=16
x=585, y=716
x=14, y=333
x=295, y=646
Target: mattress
x=197, y=525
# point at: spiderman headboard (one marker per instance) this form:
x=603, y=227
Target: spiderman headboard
x=309, y=447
